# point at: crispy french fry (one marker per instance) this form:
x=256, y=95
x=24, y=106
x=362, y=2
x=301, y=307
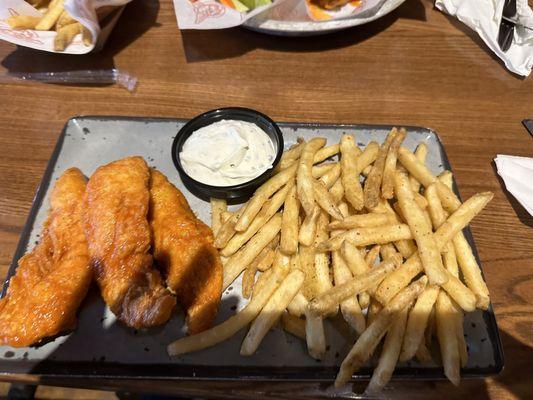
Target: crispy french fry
x=232, y=325
x=280, y=266
x=218, y=206
x=65, y=35
x=307, y=265
x=372, y=256
x=304, y=181
x=290, y=156
x=240, y=260
x=438, y=217
x=462, y=217
x=284, y=164
x=357, y=265
x=388, y=250
x=417, y=322
x=447, y=338
x=471, y=271
x=368, y=341
x=320, y=170
x=389, y=355
x=326, y=201
x=298, y=306
x=337, y=191
x=323, y=280
x=416, y=168
x=325, y=153
x=422, y=232
x=436, y=212
x=366, y=158
x=460, y=293
x=449, y=259
x=325, y=301
x=289, y=223
x=248, y=280
x=401, y=277
x=227, y=229
x=315, y=336
x=272, y=311
x=225, y=216
x=446, y=177
x=294, y=325
x=64, y=20
x=261, y=281
x=51, y=16
x=420, y=200
x=373, y=181
x=349, y=176
x=330, y=177
x=387, y=184
x=270, y=207
x=262, y=194
x=262, y=263
x=354, y=259
x=366, y=236
x=363, y=221
x=374, y=307
x=350, y=308
x=23, y=21
x=406, y=247
x=294, y=151
x=266, y=262
x=467, y=261
x=420, y=153
x=307, y=233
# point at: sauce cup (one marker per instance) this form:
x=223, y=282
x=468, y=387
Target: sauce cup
x=236, y=192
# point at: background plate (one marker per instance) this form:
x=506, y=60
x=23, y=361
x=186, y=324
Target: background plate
x=272, y=21
x=100, y=347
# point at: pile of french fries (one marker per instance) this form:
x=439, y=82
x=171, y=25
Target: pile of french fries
x=55, y=17
x=388, y=254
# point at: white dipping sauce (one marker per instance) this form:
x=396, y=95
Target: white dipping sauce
x=227, y=153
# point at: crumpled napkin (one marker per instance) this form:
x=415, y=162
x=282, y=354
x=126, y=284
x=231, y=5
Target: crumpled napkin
x=484, y=16
x=517, y=174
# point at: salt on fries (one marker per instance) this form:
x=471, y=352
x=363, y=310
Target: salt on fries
x=308, y=242
x=55, y=18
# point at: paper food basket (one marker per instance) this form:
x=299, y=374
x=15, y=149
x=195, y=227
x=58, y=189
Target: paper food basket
x=85, y=11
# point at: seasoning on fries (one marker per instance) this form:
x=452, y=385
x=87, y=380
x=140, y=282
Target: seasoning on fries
x=308, y=242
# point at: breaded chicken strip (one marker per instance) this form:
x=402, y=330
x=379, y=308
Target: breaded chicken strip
x=52, y=280
x=119, y=237
x=183, y=248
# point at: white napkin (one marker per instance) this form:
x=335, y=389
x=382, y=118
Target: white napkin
x=484, y=16
x=517, y=173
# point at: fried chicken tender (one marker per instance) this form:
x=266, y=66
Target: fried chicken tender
x=52, y=280
x=183, y=248
x=119, y=237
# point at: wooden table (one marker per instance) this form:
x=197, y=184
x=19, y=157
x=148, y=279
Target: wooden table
x=414, y=67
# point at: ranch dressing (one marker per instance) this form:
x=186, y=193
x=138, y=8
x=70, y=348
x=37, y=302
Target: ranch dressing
x=227, y=153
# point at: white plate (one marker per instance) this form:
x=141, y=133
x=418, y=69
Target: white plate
x=270, y=21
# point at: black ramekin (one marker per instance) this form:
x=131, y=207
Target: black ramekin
x=242, y=190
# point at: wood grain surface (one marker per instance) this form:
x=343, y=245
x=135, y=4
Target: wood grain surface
x=415, y=66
